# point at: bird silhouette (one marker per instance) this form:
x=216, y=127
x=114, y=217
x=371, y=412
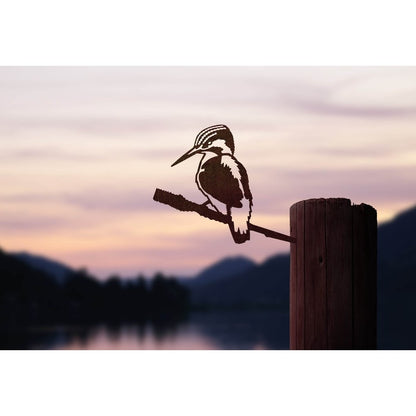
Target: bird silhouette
x=222, y=178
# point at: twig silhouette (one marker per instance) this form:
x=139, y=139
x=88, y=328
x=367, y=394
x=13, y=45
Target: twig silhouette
x=182, y=204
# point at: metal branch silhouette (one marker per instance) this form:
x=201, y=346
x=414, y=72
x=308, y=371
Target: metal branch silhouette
x=182, y=204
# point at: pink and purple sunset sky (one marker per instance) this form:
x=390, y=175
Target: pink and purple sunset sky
x=83, y=149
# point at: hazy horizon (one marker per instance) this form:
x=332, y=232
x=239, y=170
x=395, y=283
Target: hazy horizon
x=166, y=272
x=83, y=149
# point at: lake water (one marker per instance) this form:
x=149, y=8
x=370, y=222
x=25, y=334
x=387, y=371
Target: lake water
x=260, y=329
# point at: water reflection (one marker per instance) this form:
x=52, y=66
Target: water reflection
x=263, y=329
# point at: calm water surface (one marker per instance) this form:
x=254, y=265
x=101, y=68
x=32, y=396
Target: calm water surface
x=200, y=331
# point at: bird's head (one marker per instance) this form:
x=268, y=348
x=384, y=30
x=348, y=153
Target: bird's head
x=217, y=139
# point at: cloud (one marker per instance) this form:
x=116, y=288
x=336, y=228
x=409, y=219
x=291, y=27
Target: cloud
x=133, y=199
x=103, y=126
x=347, y=152
x=40, y=153
x=31, y=223
x=379, y=93
x=376, y=185
x=94, y=199
x=328, y=108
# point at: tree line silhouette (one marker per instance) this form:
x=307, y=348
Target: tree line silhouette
x=29, y=296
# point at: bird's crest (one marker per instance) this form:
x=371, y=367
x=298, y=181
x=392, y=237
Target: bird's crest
x=219, y=131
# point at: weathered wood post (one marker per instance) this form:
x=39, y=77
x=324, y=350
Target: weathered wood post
x=333, y=275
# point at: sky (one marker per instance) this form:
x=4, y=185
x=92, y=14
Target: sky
x=83, y=149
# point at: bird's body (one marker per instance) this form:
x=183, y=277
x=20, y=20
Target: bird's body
x=223, y=179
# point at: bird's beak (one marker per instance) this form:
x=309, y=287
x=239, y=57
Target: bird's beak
x=189, y=153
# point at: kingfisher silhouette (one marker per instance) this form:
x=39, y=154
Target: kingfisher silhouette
x=222, y=178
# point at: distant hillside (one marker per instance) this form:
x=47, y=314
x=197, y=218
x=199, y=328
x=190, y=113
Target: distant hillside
x=397, y=282
x=29, y=296
x=25, y=291
x=221, y=270
x=60, y=272
x=18, y=273
x=397, y=238
x=265, y=284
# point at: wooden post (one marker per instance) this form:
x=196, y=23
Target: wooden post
x=333, y=275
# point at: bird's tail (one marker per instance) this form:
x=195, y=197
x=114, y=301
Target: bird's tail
x=239, y=219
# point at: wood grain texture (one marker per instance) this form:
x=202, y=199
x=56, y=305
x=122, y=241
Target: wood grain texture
x=292, y=283
x=339, y=271
x=333, y=281
x=364, y=277
x=316, y=334
x=300, y=275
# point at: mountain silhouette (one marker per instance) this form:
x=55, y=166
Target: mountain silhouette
x=30, y=296
x=397, y=282
x=59, y=271
x=220, y=270
x=25, y=292
x=266, y=284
